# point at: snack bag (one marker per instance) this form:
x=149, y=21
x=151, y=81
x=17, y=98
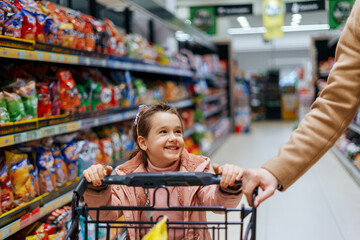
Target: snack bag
x=69, y=96
x=106, y=148
x=28, y=29
x=13, y=26
x=61, y=171
x=46, y=171
x=71, y=159
x=15, y=106
x=20, y=177
x=116, y=143
x=59, y=216
x=55, y=98
x=30, y=99
x=51, y=29
x=95, y=96
x=84, y=99
x=34, y=178
x=2, y=20
x=7, y=196
x=44, y=102
x=40, y=27
x=4, y=114
x=85, y=158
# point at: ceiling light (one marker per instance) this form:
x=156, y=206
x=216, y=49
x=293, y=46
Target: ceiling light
x=182, y=36
x=296, y=28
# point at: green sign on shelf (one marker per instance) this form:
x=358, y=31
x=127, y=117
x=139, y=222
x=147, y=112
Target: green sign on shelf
x=339, y=10
x=204, y=18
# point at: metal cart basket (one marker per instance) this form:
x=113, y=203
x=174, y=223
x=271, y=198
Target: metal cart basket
x=219, y=229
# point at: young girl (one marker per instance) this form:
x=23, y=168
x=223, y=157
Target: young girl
x=158, y=133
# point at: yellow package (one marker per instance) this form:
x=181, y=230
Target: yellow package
x=20, y=177
x=158, y=232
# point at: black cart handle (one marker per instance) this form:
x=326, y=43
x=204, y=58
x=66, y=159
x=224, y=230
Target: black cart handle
x=152, y=180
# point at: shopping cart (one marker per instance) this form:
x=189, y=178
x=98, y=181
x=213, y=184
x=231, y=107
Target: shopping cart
x=219, y=229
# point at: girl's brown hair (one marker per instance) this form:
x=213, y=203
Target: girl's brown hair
x=143, y=125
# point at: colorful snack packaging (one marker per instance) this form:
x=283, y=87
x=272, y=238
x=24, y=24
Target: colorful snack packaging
x=34, y=178
x=46, y=171
x=51, y=28
x=69, y=96
x=61, y=171
x=15, y=106
x=20, y=177
x=40, y=27
x=85, y=158
x=2, y=20
x=59, y=216
x=13, y=26
x=106, y=148
x=116, y=143
x=71, y=159
x=4, y=114
x=7, y=196
x=29, y=99
x=55, y=98
x=44, y=102
x=84, y=99
x=28, y=29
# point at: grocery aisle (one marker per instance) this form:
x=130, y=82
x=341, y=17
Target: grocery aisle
x=323, y=204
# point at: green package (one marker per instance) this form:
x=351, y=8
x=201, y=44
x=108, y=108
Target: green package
x=84, y=97
x=15, y=106
x=95, y=96
x=30, y=100
x=4, y=114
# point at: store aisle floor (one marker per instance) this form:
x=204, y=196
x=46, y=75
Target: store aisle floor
x=323, y=204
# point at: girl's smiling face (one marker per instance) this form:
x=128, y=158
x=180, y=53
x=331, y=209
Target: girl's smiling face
x=164, y=143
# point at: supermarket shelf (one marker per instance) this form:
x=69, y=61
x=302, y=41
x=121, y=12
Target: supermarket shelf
x=214, y=111
x=188, y=132
x=119, y=63
x=218, y=142
x=68, y=127
x=30, y=212
x=182, y=103
x=351, y=168
x=214, y=97
x=355, y=127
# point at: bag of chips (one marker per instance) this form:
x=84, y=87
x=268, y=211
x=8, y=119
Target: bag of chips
x=69, y=96
x=71, y=159
x=15, y=106
x=13, y=26
x=20, y=177
x=7, y=196
x=61, y=170
x=44, y=102
x=55, y=98
x=29, y=99
x=4, y=114
x=46, y=171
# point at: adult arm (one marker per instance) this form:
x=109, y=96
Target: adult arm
x=330, y=115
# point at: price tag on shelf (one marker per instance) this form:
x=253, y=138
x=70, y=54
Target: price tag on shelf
x=71, y=127
x=130, y=114
x=103, y=119
x=49, y=131
x=117, y=117
x=31, y=55
x=74, y=60
x=20, y=137
x=52, y=57
x=33, y=135
x=25, y=220
x=40, y=56
x=6, y=140
x=35, y=214
x=10, y=229
x=61, y=58
x=63, y=128
x=88, y=123
x=21, y=54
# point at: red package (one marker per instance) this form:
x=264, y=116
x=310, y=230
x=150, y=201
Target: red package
x=40, y=24
x=44, y=102
x=46, y=228
x=28, y=29
x=7, y=195
x=59, y=216
x=69, y=96
x=88, y=30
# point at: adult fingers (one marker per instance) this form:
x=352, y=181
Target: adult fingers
x=250, y=182
x=225, y=176
x=268, y=191
x=86, y=176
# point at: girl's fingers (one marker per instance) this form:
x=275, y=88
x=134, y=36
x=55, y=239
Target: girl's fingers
x=217, y=169
x=109, y=170
x=86, y=176
x=100, y=172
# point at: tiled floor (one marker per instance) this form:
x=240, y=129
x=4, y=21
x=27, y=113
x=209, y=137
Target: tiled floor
x=323, y=204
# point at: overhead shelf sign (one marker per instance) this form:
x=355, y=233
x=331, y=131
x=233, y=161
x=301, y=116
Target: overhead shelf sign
x=307, y=6
x=230, y=10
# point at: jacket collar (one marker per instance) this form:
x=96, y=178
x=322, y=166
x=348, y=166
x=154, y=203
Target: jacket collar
x=189, y=163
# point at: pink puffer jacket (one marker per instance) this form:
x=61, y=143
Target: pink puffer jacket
x=134, y=196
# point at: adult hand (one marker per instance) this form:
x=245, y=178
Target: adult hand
x=230, y=173
x=95, y=173
x=262, y=178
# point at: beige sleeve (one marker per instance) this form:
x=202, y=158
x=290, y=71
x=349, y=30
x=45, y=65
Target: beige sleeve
x=331, y=113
